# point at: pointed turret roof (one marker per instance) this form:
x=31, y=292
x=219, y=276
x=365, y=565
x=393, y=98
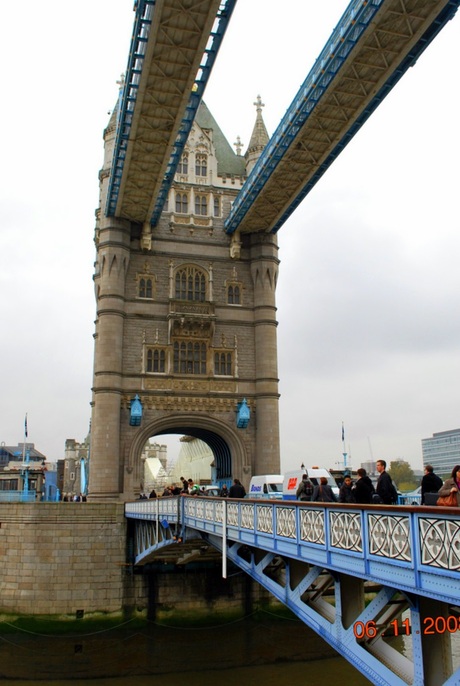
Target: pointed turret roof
x=227, y=161
x=259, y=137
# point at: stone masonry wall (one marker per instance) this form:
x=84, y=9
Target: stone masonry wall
x=61, y=558
x=57, y=558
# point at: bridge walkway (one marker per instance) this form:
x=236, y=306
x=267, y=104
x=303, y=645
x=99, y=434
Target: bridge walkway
x=319, y=559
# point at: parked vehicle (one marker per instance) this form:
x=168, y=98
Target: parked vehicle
x=292, y=480
x=213, y=490
x=266, y=486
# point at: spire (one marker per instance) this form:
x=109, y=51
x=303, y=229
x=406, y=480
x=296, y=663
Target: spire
x=259, y=137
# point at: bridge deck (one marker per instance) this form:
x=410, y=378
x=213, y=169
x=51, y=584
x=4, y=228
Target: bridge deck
x=371, y=48
x=300, y=552
x=173, y=49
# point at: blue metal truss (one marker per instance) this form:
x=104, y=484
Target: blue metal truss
x=128, y=94
x=355, y=20
x=127, y=97
x=220, y=26
x=317, y=559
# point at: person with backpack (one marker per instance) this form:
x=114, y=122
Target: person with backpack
x=305, y=488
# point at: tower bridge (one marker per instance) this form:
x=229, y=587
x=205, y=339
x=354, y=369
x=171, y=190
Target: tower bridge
x=319, y=559
x=186, y=232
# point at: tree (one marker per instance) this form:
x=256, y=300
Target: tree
x=403, y=475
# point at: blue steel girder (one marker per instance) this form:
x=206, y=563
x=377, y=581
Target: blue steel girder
x=173, y=49
x=156, y=526
x=372, y=47
x=363, y=634
x=318, y=559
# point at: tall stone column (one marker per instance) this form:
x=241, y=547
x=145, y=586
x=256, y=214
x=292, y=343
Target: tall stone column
x=113, y=254
x=264, y=272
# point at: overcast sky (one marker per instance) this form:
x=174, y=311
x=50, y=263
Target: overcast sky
x=369, y=326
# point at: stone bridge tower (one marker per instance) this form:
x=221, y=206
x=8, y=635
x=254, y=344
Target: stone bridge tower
x=186, y=320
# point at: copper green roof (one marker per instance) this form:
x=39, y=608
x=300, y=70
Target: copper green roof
x=228, y=162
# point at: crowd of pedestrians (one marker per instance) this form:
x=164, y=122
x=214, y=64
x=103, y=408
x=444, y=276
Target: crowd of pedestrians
x=189, y=487
x=361, y=491
x=364, y=492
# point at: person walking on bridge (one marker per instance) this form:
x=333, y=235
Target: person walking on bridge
x=323, y=492
x=364, y=488
x=431, y=482
x=346, y=493
x=385, y=488
x=237, y=490
x=452, y=484
x=305, y=488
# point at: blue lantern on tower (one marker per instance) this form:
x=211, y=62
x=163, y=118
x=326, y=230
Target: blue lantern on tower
x=243, y=414
x=135, y=416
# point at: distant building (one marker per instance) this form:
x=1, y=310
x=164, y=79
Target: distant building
x=22, y=471
x=76, y=456
x=155, y=459
x=195, y=461
x=442, y=451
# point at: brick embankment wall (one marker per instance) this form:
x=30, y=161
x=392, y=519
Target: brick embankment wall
x=69, y=560
x=59, y=558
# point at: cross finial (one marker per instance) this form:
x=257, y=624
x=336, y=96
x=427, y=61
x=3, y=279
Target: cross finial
x=238, y=145
x=259, y=104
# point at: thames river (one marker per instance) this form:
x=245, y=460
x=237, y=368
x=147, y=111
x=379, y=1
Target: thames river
x=273, y=650
x=227, y=654
x=315, y=673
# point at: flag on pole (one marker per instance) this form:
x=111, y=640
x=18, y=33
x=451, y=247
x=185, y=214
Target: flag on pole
x=25, y=426
x=343, y=433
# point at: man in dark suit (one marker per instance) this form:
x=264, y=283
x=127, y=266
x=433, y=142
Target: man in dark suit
x=431, y=482
x=385, y=488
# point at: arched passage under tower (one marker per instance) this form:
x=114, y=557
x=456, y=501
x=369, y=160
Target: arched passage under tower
x=230, y=454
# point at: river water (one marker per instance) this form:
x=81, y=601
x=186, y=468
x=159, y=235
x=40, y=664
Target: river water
x=272, y=651
x=311, y=673
x=316, y=673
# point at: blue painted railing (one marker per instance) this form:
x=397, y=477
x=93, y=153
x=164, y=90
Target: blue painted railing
x=420, y=546
x=301, y=552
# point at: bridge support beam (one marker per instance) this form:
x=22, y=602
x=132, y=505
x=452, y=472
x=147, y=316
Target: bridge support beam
x=435, y=647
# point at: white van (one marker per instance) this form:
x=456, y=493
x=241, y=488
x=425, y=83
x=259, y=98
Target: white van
x=266, y=486
x=292, y=480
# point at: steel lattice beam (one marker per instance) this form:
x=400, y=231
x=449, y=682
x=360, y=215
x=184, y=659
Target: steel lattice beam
x=372, y=47
x=173, y=50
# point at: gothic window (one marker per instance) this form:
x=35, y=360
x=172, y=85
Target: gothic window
x=201, y=205
x=216, y=206
x=201, y=164
x=145, y=287
x=223, y=363
x=233, y=294
x=156, y=358
x=181, y=203
x=189, y=357
x=190, y=284
x=182, y=167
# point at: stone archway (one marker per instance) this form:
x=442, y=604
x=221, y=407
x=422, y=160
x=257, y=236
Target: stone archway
x=227, y=445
